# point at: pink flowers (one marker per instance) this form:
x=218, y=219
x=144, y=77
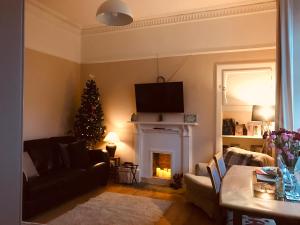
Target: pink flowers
x=287, y=144
x=284, y=136
x=290, y=156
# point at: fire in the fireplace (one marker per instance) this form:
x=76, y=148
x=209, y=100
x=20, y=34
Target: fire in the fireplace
x=162, y=165
x=163, y=173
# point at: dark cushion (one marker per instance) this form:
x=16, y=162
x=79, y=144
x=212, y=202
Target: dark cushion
x=65, y=155
x=79, y=156
x=44, y=156
x=63, y=139
x=42, y=187
x=233, y=158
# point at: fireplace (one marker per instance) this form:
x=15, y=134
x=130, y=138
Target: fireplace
x=161, y=165
x=162, y=150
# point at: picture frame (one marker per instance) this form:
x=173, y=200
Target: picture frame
x=190, y=118
x=257, y=130
x=239, y=130
x=250, y=129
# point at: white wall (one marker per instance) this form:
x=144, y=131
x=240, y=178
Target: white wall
x=11, y=76
x=256, y=30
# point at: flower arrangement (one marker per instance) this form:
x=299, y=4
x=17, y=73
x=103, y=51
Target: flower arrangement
x=286, y=144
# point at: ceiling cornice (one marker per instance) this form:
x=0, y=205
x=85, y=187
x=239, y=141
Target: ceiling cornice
x=160, y=21
x=185, y=18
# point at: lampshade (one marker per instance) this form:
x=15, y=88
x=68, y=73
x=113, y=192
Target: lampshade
x=114, y=13
x=263, y=113
x=111, y=137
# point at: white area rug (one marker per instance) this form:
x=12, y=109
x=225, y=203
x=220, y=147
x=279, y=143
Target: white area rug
x=115, y=209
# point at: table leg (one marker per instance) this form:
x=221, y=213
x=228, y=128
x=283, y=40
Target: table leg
x=133, y=172
x=237, y=218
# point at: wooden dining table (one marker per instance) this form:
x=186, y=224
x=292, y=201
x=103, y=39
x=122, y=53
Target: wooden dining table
x=237, y=194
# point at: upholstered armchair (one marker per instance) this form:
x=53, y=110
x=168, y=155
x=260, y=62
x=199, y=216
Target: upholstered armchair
x=199, y=189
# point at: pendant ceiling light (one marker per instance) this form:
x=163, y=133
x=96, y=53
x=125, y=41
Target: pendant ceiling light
x=114, y=13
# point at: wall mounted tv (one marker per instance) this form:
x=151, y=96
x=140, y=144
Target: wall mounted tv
x=159, y=97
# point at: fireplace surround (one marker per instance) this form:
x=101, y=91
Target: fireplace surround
x=171, y=139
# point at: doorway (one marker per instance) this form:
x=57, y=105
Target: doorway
x=240, y=88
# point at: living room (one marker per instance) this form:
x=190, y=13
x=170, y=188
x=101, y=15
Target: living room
x=65, y=47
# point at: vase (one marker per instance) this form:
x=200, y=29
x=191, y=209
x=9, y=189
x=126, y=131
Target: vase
x=297, y=165
x=291, y=164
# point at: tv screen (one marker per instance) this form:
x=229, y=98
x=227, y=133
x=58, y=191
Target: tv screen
x=159, y=97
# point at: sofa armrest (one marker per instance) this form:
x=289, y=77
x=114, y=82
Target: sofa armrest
x=99, y=155
x=201, y=169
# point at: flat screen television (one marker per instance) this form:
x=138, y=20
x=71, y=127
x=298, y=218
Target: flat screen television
x=159, y=97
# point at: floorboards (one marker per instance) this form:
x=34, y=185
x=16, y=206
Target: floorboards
x=180, y=212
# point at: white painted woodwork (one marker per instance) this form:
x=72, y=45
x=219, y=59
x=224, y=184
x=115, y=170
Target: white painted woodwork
x=263, y=69
x=173, y=138
x=11, y=104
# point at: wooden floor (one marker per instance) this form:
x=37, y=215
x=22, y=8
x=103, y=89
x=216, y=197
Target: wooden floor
x=180, y=212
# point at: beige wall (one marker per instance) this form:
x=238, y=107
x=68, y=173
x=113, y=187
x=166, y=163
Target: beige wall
x=116, y=82
x=51, y=94
x=46, y=33
x=246, y=31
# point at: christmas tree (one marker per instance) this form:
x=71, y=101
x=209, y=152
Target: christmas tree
x=89, y=119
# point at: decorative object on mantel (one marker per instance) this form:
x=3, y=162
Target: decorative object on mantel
x=89, y=118
x=287, y=145
x=111, y=138
x=134, y=117
x=114, y=13
x=190, y=118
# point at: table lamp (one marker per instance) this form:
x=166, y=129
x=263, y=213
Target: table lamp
x=265, y=114
x=111, y=138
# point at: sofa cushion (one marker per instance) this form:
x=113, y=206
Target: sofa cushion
x=47, y=185
x=201, y=169
x=79, y=156
x=44, y=155
x=65, y=155
x=235, y=158
x=257, y=159
x=29, y=169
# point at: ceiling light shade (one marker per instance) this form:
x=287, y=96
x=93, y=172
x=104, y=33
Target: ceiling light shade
x=114, y=13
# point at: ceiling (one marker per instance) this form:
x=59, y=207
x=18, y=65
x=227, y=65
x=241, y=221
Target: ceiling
x=82, y=12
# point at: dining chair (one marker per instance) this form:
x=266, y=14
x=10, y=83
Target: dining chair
x=221, y=213
x=220, y=164
x=216, y=183
x=214, y=176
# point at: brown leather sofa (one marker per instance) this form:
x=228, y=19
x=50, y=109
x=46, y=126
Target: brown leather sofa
x=59, y=181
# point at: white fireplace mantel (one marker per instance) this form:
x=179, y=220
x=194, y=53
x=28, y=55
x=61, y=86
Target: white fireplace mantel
x=167, y=136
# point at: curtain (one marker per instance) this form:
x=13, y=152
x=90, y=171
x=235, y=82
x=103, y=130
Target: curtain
x=284, y=81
